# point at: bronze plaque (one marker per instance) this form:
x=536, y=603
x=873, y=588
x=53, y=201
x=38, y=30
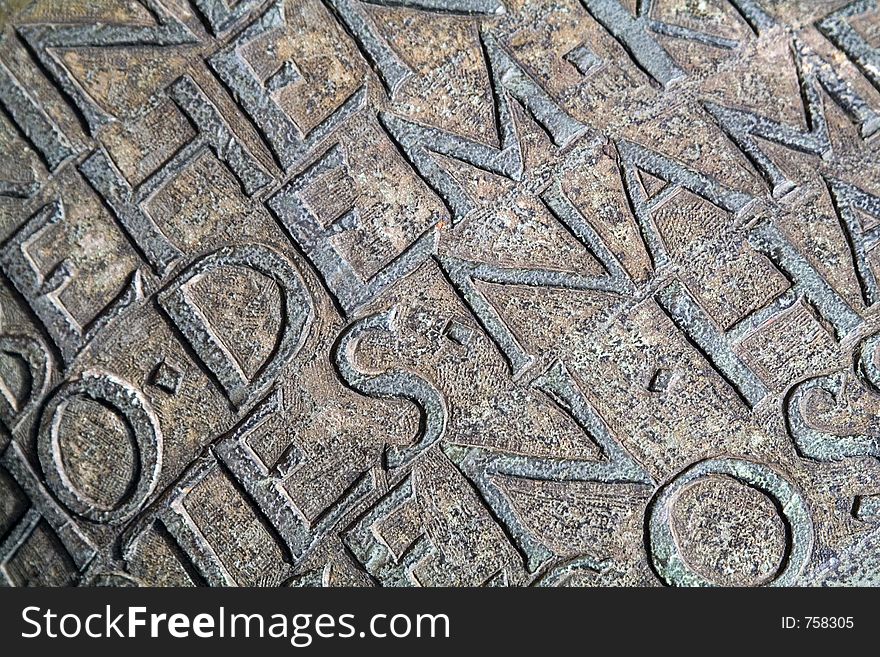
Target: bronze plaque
x=439, y=292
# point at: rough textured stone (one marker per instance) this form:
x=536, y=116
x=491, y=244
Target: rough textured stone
x=439, y=292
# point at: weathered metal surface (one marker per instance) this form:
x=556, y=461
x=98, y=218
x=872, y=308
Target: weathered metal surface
x=439, y=292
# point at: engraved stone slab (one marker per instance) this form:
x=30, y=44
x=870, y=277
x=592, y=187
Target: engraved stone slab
x=439, y=292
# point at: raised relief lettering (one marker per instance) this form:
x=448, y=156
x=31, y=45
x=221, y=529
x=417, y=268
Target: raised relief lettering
x=814, y=76
x=509, y=82
x=287, y=141
x=178, y=302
